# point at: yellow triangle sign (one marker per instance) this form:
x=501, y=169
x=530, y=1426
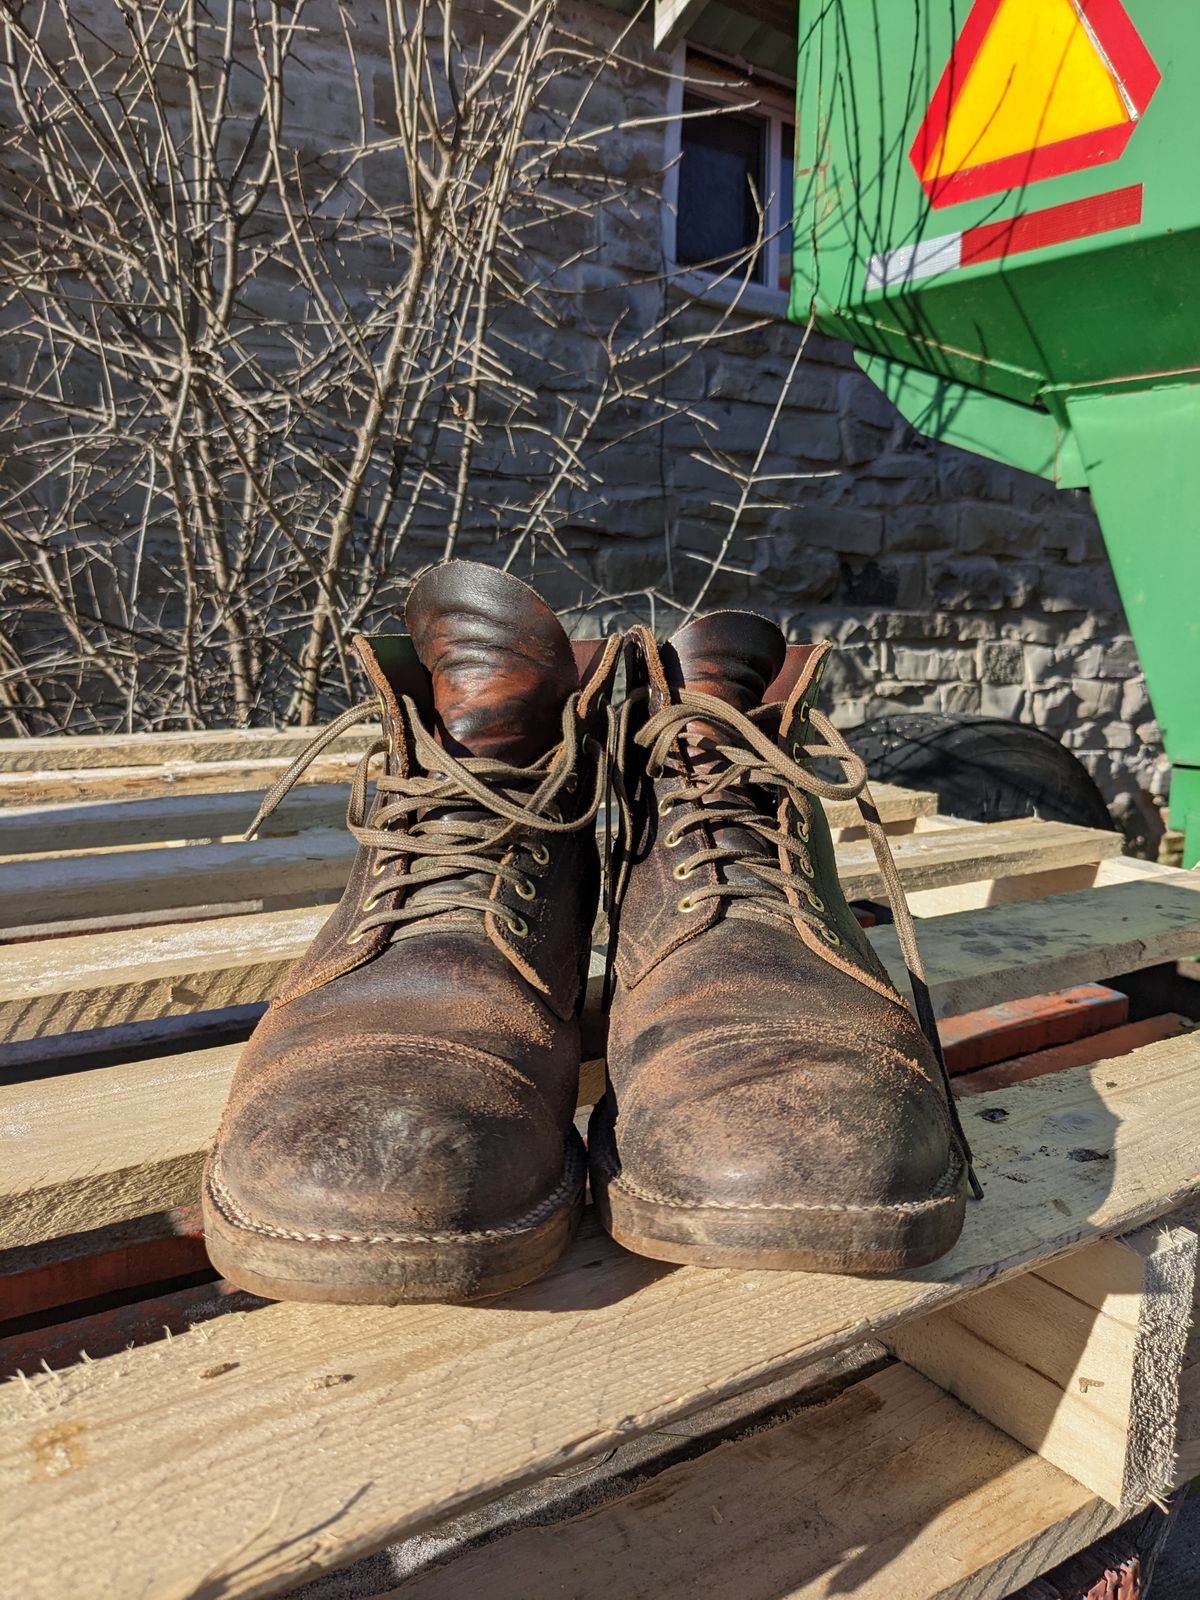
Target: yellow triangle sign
x=1033, y=88
x=1038, y=78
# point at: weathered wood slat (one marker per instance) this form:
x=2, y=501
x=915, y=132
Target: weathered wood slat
x=112, y=824
x=892, y=1489
x=33, y=829
x=402, y=1403
x=1031, y=947
x=79, y=752
x=91, y=785
x=47, y=891
x=973, y=959
x=1080, y=1360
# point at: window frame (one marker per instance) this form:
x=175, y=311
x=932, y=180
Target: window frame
x=763, y=97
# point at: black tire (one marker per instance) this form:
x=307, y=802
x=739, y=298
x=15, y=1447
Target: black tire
x=983, y=769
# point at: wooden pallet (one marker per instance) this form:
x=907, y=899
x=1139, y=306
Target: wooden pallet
x=272, y=1442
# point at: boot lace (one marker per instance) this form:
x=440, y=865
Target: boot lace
x=459, y=817
x=729, y=795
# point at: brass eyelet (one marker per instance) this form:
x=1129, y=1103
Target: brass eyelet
x=805, y=710
x=379, y=868
x=353, y=938
x=797, y=749
x=682, y=871
x=671, y=839
x=539, y=853
x=686, y=904
x=815, y=901
x=372, y=900
x=526, y=890
x=802, y=833
x=807, y=868
x=664, y=805
x=830, y=936
x=518, y=927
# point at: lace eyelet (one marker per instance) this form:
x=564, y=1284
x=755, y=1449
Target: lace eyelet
x=380, y=868
x=664, y=805
x=815, y=901
x=805, y=710
x=686, y=904
x=539, y=853
x=671, y=839
x=518, y=927
x=807, y=868
x=797, y=750
x=353, y=938
x=526, y=890
x=830, y=936
x=682, y=871
x=372, y=900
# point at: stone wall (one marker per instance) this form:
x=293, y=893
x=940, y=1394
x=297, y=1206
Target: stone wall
x=948, y=582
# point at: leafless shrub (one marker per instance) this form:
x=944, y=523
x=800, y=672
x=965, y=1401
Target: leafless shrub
x=258, y=373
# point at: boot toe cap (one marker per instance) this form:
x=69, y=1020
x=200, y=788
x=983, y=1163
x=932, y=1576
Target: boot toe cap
x=407, y=1137
x=788, y=1122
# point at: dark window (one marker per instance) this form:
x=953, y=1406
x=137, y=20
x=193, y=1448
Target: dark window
x=722, y=188
x=787, y=188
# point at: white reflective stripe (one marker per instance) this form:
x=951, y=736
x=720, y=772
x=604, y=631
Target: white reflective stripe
x=893, y=268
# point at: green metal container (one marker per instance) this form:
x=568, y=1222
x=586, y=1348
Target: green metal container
x=998, y=204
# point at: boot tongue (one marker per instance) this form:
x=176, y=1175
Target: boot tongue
x=500, y=665
x=732, y=655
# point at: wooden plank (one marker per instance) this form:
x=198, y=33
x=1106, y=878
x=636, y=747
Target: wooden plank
x=403, y=1400
x=994, y=1033
x=1080, y=1361
x=87, y=1149
x=83, y=1150
x=113, y=824
x=90, y=784
x=34, y=829
x=45, y=891
x=973, y=959
x=81, y=752
x=892, y=1489
x=1001, y=953
x=315, y=864
x=1114, y=1042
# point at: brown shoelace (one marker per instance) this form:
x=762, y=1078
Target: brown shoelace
x=724, y=797
x=458, y=819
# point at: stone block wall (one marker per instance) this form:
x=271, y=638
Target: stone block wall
x=949, y=582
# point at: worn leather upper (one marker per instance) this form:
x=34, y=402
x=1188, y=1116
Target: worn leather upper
x=758, y=1054
x=424, y=1076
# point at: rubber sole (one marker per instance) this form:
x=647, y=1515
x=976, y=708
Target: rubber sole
x=391, y=1268
x=865, y=1240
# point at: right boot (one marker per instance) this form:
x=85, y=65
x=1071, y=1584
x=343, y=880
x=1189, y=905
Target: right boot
x=400, y=1124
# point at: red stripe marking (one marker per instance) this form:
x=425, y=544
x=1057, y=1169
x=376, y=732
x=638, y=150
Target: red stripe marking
x=1133, y=64
x=1077, y=219
x=1047, y=161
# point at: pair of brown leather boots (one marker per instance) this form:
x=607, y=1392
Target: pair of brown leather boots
x=401, y=1124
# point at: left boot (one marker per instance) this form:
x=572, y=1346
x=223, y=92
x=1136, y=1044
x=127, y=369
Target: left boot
x=771, y=1101
x=400, y=1126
